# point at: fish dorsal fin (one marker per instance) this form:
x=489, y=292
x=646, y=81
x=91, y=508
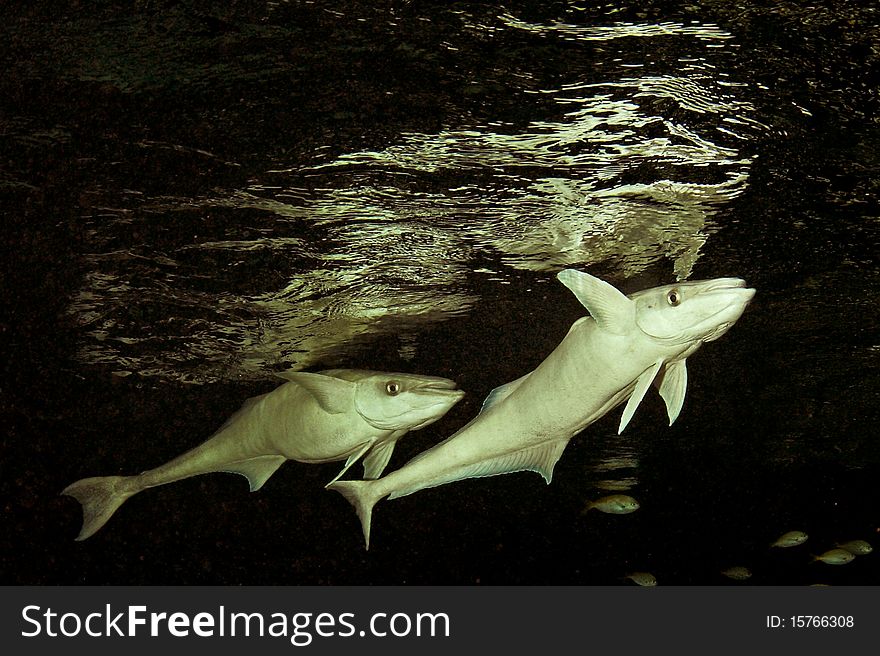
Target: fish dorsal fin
x=541, y=459
x=642, y=384
x=256, y=470
x=247, y=405
x=377, y=460
x=576, y=324
x=501, y=392
x=672, y=382
x=613, y=311
x=334, y=395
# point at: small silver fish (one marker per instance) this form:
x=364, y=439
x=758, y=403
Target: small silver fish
x=737, y=573
x=835, y=556
x=645, y=579
x=615, y=504
x=790, y=539
x=857, y=547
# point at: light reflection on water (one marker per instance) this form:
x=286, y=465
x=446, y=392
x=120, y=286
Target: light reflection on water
x=615, y=465
x=615, y=168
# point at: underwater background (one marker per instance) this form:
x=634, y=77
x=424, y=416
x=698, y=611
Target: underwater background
x=195, y=196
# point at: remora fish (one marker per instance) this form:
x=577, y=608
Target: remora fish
x=340, y=414
x=605, y=359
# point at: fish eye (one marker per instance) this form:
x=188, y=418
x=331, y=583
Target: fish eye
x=673, y=297
x=392, y=388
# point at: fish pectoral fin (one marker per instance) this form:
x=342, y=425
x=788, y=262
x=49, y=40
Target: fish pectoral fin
x=377, y=460
x=334, y=395
x=612, y=310
x=353, y=458
x=642, y=384
x=256, y=470
x=672, y=383
x=501, y=392
x=541, y=459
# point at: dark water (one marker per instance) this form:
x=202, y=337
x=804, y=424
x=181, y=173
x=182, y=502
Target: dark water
x=198, y=195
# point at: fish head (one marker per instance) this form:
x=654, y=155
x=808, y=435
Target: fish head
x=690, y=313
x=395, y=401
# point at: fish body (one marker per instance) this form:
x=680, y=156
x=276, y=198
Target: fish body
x=790, y=539
x=836, y=556
x=614, y=504
x=738, y=573
x=606, y=359
x=339, y=414
x=644, y=579
x=857, y=547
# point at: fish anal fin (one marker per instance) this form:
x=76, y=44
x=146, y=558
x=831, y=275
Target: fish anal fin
x=612, y=310
x=642, y=384
x=334, y=395
x=501, y=392
x=672, y=383
x=256, y=470
x=541, y=459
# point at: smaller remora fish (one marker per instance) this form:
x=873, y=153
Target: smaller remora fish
x=857, y=547
x=835, y=557
x=339, y=414
x=615, y=504
x=790, y=539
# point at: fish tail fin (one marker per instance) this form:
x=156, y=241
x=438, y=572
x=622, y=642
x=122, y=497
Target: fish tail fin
x=361, y=495
x=100, y=497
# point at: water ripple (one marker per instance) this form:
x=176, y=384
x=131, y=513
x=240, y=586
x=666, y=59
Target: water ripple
x=625, y=162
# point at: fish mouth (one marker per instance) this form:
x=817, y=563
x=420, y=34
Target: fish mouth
x=733, y=312
x=724, y=283
x=736, y=290
x=437, y=385
x=737, y=285
x=445, y=395
x=438, y=397
x=439, y=388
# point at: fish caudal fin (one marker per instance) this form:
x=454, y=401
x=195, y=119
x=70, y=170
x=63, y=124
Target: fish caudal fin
x=100, y=497
x=361, y=496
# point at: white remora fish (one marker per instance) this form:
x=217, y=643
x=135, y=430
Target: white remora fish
x=315, y=417
x=605, y=359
